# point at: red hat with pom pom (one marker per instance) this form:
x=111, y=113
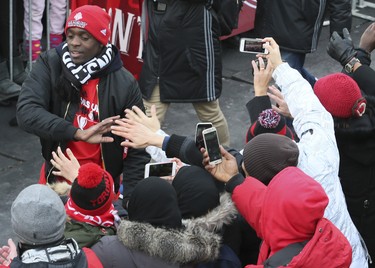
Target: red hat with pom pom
x=93, y=191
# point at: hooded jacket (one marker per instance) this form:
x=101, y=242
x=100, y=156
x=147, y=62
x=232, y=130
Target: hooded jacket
x=356, y=144
x=281, y=218
x=41, y=111
x=141, y=244
x=318, y=152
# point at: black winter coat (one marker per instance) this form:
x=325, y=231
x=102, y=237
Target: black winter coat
x=41, y=111
x=356, y=143
x=182, y=52
x=296, y=24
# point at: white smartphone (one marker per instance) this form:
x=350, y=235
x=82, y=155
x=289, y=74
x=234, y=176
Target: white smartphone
x=198, y=133
x=252, y=45
x=160, y=169
x=211, y=143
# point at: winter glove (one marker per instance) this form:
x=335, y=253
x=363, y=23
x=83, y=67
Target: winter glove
x=341, y=49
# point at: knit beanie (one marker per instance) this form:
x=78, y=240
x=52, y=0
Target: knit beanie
x=92, y=191
x=154, y=201
x=269, y=121
x=340, y=95
x=92, y=19
x=196, y=190
x=38, y=215
x=267, y=154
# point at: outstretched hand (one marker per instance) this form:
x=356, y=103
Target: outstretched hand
x=262, y=76
x=94, y=134
x=367, y=41
x=223, y=171
x=136, y=135
x=8, y=253
x=341, y=49
x=139, y=116
x=281, y=106
x=273, y=56
x=67, y=167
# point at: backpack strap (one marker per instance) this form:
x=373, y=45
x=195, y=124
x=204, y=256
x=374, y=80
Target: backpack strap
x=285, y=255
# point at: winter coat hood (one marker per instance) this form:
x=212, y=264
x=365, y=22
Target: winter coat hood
x=293, y=207
x=195, y=242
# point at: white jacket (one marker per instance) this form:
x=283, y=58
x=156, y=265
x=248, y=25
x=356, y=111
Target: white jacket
x=318, y=153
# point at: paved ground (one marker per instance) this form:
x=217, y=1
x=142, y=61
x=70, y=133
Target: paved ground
x=20, y=156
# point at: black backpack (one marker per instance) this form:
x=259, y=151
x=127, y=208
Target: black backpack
x=227, y=12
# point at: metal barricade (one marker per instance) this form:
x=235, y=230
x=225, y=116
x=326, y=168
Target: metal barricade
x=11, y=21
x=357, y=5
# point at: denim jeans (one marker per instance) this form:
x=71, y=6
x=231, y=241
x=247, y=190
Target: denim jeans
x=296, y=61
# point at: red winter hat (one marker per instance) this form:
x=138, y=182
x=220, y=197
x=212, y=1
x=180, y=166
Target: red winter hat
x=269, y=121
x=92, y=19
x=340, y=95
x=92, y=192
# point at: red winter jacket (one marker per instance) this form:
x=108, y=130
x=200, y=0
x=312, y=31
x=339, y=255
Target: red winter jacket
x=291, y=210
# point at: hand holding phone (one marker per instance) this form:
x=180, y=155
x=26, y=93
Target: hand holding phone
x=198, y=133
x=211, y=143
x=252, y=45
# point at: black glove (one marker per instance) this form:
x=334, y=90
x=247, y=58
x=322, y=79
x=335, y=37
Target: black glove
x=341, y=49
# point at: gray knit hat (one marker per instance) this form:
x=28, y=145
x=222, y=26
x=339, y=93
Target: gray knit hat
x=38, y=215
x=267, y=154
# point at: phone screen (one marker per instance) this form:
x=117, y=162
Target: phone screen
x=254, y=46
x=199, y=136
x=212, y=146
x=161, y=170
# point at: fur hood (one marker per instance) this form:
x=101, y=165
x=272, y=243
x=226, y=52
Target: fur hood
x=197, y=242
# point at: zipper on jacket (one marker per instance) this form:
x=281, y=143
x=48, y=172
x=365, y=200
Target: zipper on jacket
x=101, y=148
x=50, y=171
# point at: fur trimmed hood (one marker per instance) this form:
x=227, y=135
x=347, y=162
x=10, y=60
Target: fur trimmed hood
x=197, y=242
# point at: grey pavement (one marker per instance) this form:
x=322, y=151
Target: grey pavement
x=20, y=152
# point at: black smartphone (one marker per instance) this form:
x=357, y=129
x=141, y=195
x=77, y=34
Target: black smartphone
x=211, y=143
x=198, y=133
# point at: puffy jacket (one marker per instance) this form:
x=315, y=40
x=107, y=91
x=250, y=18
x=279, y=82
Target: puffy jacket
x=41, y=111
x=182, y=52
x=296, y=24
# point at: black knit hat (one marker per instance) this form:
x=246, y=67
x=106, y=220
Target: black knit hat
x=269, y=121
x=196, y=190
x=93, y=191
x=267, y=154
x=154, y=201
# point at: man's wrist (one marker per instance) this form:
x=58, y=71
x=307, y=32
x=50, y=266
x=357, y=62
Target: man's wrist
x=349, y=67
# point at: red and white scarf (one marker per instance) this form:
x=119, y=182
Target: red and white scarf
x=108, y=219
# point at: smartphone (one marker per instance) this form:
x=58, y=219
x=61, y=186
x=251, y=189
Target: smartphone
x=160, y=169
x=211, y=143
x=198, y=133
x=252, y=45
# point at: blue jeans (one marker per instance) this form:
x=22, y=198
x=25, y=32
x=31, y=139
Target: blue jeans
x=296, y=61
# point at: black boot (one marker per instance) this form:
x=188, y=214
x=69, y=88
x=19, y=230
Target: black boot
x=19, y=74
x=8, y=89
